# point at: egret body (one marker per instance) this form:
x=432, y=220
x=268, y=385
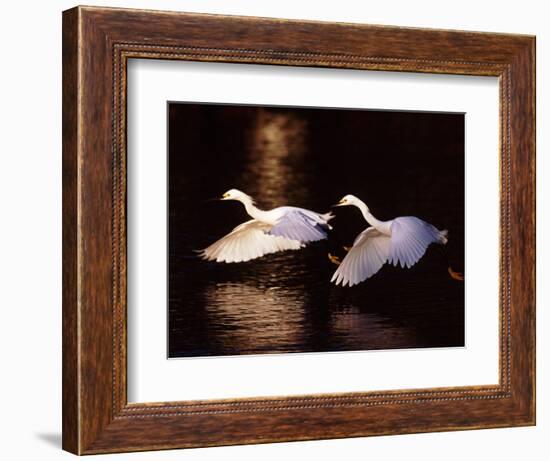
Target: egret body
x=269, y=231
x=400, y=241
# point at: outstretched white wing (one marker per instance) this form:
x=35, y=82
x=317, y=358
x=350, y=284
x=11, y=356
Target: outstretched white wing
x=247, y=241
x=410, y=237
x=368, y=254
x=302, y=225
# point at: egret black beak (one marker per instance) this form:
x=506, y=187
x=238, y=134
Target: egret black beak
x=340, y=203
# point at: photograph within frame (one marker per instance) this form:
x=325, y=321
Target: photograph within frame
x=402, y=163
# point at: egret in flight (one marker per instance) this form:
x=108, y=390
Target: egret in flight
x=400, y=241
x=269, y=231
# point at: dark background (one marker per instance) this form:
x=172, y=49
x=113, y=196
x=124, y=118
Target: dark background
x=399, y=163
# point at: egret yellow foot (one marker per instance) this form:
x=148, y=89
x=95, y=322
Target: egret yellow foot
x=334, y=259
x=455, y=275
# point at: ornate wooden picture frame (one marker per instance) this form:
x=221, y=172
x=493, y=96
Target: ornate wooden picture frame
x=97, y=44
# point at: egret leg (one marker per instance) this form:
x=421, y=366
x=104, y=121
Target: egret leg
x=334, y=259
x=454, y=274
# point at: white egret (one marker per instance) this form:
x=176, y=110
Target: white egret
x=270, y=231
x=400, y=241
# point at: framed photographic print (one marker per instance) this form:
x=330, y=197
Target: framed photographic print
x=284, y=230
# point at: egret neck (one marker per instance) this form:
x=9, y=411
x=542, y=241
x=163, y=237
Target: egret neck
x=254, y=212
x=380, y=226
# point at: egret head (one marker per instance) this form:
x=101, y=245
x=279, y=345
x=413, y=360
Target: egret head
x=235, y=194
x=349, y=200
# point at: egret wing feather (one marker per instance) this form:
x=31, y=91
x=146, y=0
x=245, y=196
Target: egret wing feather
x=296, y=224
x=410, y=238
x=368, y=254
x=248, y=241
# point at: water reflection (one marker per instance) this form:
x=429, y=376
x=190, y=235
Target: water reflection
x=275, y=154
x=367, y=330
x=271, y=318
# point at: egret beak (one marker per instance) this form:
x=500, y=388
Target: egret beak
x=224, y=196
x=340, y=203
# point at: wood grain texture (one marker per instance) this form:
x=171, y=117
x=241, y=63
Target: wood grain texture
x=70, y=383
x=97, y=42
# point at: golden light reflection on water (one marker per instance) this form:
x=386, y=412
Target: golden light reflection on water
x=277, y=150
x=356, y=325
x=269, y=318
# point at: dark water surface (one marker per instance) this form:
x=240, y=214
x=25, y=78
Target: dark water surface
x=399, y=163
